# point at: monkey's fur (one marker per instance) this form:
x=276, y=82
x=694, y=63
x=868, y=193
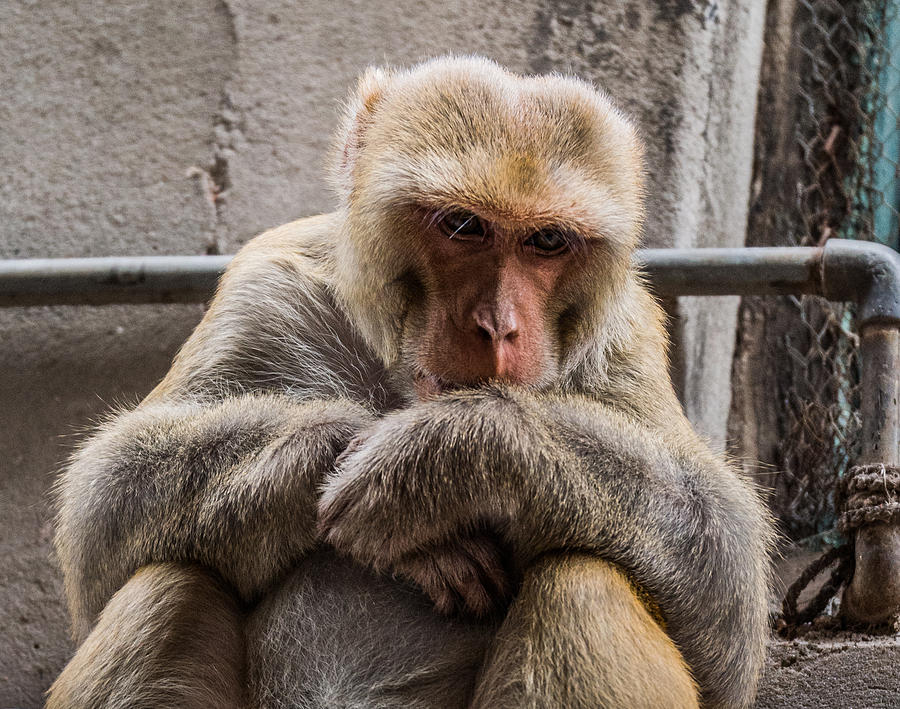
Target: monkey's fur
x=286, y=456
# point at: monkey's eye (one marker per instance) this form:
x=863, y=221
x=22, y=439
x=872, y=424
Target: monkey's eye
x=548, y=242
x=462, y=225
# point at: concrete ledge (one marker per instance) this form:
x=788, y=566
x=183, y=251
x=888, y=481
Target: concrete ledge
x=847, y=671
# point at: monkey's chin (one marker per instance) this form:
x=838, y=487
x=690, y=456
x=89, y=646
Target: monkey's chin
x=430, y=386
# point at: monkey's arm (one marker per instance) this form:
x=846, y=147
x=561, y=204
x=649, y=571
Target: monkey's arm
x=210, y=469
x=231, y=485
x=556, y=473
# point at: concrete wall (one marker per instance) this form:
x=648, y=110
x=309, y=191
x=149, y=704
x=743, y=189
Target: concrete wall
x=121, y=118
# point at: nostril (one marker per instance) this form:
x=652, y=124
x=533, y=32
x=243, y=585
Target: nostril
x=484, y=324
x=496, y=328
x=485, y=333
x=509, y=328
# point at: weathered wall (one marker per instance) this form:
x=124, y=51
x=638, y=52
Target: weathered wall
x=118, y=118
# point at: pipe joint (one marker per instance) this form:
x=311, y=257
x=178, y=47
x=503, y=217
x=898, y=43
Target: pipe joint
x=866, y=273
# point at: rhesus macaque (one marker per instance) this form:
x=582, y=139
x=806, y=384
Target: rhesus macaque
x=424, y=452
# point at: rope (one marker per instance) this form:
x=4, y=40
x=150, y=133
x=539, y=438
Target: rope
x=791, y=616
x=868, y=494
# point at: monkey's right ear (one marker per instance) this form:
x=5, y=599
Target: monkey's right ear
x=358, y=117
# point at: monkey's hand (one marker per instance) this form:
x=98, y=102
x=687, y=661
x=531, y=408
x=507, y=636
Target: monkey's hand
x=385, y=506
x=462, y=576
x=468, y=575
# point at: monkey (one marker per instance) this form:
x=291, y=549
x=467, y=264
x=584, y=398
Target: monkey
x=424, y=451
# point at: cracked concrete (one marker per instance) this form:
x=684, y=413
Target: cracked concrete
x=187, y=128
x=834, y=673
x=214, y=180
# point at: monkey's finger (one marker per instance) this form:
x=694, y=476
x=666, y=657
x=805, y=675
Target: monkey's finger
x=461, y=573
x=333, y=508
x=424, y=571
x=487, y=557
x=353, y=446
x=464, y=576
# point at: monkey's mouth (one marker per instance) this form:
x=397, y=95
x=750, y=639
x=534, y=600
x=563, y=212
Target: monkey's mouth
x=428, y=386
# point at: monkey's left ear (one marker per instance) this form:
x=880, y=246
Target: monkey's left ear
x=358, y=117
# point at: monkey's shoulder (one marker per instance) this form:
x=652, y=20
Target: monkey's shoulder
x=276, y=323
x=281, y=275
x=304, y=246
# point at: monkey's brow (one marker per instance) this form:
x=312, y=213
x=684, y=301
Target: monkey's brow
x=577, y=233
x=575, y=240
x=436, y=214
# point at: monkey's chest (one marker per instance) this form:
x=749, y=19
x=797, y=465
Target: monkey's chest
x=335, y=635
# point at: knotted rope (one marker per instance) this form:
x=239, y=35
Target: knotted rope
x=867, y=494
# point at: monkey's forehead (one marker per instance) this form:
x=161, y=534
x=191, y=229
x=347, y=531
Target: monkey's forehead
x=459, y=102
x=473, y=112
x=541, y=148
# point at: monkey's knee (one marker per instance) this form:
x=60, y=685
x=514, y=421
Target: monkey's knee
x=170, y=637
x=578, y=636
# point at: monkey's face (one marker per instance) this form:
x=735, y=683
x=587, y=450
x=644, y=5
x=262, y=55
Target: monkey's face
x=488, y=285
x=489, y=219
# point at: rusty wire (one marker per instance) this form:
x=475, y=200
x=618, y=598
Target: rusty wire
x=842, y=51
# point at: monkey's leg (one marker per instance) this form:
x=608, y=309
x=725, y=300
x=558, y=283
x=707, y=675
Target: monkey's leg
x=578, y=636
x=170, y=637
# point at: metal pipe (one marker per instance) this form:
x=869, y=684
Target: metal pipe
x=866, y=273
x=873, y=595
x=842, y=270
x=739, y=271
x=116, y=279
x=873, y=273
x=870, y=275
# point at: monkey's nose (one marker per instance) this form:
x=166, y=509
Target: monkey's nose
x=496, y=326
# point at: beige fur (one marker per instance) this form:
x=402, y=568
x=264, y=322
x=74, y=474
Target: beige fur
x=637, y=557
x=585, y=613
x=197, y=662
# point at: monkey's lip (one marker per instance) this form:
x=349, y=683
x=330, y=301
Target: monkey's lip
x=429, y=386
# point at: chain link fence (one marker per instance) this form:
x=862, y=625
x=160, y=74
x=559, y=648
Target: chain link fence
x=846, y=143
